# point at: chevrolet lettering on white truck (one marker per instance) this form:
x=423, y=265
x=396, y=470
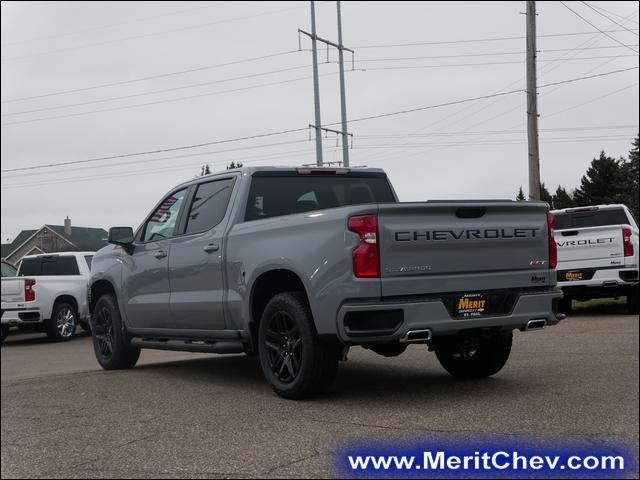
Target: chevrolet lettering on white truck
x=597, y=254
x=296, y=265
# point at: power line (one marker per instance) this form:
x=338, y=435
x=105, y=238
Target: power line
x=382, y=136
x=498, y=132
x=154, y=92
x=482, y=97
x=282, y=132
x=245, y=159
x=153, y=77
x=271, y=72
x=102, y=27
x=509, y=62
x=148, y=160
x=396, y=158
x=190, y=27
x=614, y=13
x=161, y=150
x=207, y=67
x=594, y=38
x=571, y=80
x=592, y=100
x=294, y=153
x=485, y=54
x=610, y=19
x=597, y=28
x=429, y=107
x=492, y=142
x=157, y=102
x=494, y=39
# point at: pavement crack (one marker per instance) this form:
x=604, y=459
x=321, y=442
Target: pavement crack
x=439, y=430
x=293, y=462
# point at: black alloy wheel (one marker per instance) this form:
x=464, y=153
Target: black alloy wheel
x=103, y=324
x=284, y=346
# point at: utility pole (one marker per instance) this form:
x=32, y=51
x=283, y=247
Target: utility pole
x=343, y=100
x=532, y=104
x=316, y=86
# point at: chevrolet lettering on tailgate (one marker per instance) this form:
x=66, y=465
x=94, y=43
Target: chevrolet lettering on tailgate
x=487, y=233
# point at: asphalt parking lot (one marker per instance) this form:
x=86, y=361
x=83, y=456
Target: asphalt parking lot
x=188, y=415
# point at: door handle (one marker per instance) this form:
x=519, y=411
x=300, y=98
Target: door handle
x=212, y=247
x=160, y=254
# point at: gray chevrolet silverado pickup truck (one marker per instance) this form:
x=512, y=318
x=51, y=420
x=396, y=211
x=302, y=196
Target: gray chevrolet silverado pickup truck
x=295, y=265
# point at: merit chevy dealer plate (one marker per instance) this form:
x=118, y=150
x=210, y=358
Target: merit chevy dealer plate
x=573, y=275
x=471, y=305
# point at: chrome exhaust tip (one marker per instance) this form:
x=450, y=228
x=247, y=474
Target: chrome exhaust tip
x=535, y=325
x=415, y=336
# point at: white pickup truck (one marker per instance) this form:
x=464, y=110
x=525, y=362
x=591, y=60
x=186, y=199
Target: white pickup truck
x=597, y=254
x=48, y=294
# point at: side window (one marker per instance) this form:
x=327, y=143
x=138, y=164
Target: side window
x=209, y=205
x=163, y=221
x=8, y=270
x=88, y=259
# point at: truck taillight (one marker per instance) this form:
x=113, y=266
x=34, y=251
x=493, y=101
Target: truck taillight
x=627, y=242
x=366, y=256
x=29, y=292
x=553, y=247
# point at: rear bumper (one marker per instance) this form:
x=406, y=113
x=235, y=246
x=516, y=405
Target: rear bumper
x=432, y=315
x=23, y=316
x=604, y=278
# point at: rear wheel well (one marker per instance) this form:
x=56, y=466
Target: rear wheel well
x=267, y=286
x=66, y=299
x=98, y=289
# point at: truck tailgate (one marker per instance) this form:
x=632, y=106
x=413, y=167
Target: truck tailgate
x=12, y=289
x=591, y=243
x=458, y=246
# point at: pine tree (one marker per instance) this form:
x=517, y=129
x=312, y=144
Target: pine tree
x=520, y=197
x=630, y=172
x=233, y=165
x=205, y=170
x=545, y=196
x=602, y=184
x=562, y=199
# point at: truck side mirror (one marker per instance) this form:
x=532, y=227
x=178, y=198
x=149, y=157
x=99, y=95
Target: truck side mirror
x=122, y=236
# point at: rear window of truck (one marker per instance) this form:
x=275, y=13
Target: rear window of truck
x=54, y=265
x=592, y=218
x=276, y=195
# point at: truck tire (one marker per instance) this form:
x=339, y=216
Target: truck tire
x=110, y=340
x=62, y=325
x=632, y=300
x=5, y=331
x=294, y=361
x=565, y=305
x=485, y=358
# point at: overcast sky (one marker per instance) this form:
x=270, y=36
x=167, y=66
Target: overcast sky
x=470, y=150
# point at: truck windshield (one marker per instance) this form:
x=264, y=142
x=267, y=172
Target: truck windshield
x=592, y=218
x=49, y=265
x=283, y=194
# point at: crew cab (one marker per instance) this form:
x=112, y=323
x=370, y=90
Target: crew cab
x=49, y=293
x=296, y=265
x=597, y=254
